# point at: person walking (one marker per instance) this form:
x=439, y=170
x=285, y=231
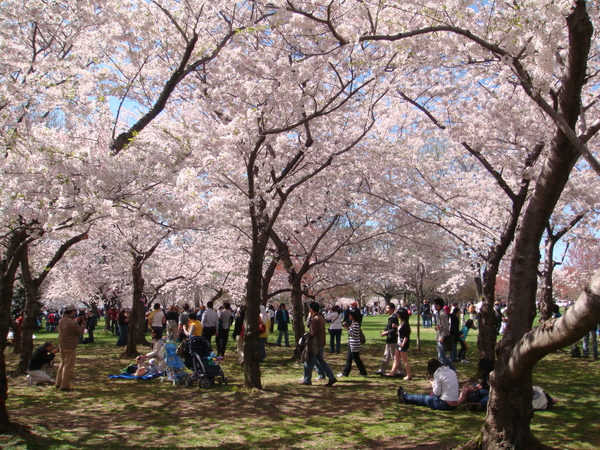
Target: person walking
x=391, y=338
x=209, y=321
x=68, y=338
x=354, y=345
x=314, y=347
x=402, y=345
x=224, y=318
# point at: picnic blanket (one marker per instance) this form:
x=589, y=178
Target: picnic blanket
x=130, y=376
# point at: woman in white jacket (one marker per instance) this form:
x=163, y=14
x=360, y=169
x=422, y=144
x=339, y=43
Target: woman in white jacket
x=444, y=384
x=334, y=318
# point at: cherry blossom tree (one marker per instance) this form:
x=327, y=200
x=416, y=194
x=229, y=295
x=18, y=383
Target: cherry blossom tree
x=548, y=60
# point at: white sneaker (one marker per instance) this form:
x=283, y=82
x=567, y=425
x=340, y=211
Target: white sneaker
x=29, y=380
x=465, y=361
x=341, y=375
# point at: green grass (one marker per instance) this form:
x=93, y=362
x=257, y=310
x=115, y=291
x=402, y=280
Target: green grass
x=355, y=413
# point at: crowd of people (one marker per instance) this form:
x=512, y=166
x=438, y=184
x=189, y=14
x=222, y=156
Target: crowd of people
x=451, y=323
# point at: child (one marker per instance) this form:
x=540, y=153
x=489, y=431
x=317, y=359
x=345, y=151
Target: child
x=462, y=354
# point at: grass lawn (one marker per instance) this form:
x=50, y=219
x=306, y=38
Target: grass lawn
x=356, y=413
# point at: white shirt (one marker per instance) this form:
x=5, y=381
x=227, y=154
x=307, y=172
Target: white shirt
x=336, y=320
x=209, y=318
x=445, y=384
x=157, y=319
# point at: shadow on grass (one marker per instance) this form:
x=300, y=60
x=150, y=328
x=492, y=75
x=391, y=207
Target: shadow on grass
x=355, y=413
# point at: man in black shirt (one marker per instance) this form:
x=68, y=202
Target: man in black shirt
x=39, y=369
x=391, y=338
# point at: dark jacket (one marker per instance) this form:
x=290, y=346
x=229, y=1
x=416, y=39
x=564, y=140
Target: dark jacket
x=282, y=317
x=392, y=336
x=40, y=357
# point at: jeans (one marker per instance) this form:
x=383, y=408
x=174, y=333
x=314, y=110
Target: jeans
x=431, y=401
x=426, y=320
x=485, y=395
x=453, y=352
x=586, y=344
x=262, y=352
x=310, y=364
x=442, y=356
x=335, y=339
x=283, y=333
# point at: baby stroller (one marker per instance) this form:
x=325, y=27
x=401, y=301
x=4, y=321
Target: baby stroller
x=175, y=370
x=203, y=363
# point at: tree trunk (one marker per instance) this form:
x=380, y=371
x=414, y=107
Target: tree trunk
x=508, y=420
x=31, y=296
x=509, y=413
x=252, y=377
x=9, y=264
x=137, y=333
x=298, y=315
x=547, y=297
x=486, y=339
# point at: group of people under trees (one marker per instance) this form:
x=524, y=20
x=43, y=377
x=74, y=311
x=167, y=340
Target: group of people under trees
x=182, y=323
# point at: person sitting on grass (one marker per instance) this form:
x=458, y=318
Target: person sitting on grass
x=444, y=384
x=476, y=396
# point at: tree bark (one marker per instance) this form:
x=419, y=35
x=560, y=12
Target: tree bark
x=31, y=296
x=252, y=377
x=15, y=245
x=137, y=333
x=509, y=409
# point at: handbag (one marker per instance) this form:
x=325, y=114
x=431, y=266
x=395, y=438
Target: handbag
x=448, y=343
x=363, y=338
x=181, y=349
x=261, y=328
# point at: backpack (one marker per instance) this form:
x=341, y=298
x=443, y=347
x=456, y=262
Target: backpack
x=575, y=352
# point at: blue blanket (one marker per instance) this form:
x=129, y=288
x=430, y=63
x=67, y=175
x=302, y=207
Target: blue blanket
x=130, y=376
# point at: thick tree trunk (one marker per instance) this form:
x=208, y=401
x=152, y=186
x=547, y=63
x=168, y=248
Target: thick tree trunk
x=8, y=268
x=31, y=296
x=508, y=422
x=6, y=293
x=298, y=315
x=136, y=334
x=486, y=339
x=252, y=377
x=509, y=404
